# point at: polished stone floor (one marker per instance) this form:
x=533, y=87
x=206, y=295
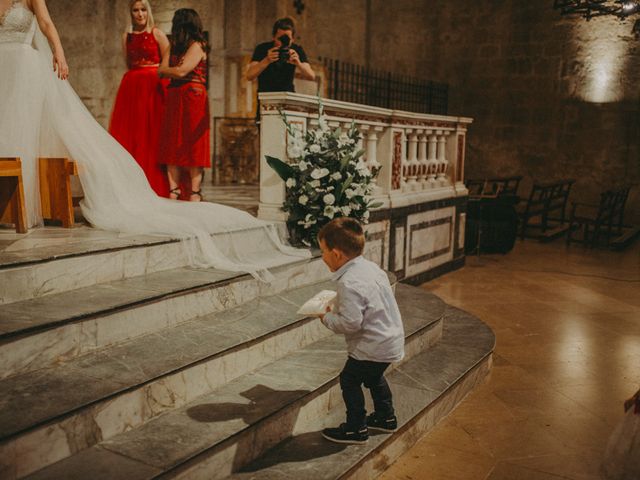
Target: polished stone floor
x=567, y=325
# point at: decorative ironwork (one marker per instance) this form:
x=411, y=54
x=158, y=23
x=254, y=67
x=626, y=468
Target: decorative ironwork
x=235, y=154
x=358, y=84
x=597, y=8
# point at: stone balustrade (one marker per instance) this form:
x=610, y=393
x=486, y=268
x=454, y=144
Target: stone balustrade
x=421, y=156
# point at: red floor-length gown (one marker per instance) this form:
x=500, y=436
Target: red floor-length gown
x=185, y=129
x=139, y=108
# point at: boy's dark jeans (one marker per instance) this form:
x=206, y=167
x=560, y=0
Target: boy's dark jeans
x=353, y=375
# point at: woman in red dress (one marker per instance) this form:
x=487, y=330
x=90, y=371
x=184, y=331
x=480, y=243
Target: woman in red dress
x=184, y=141
x=137, y=113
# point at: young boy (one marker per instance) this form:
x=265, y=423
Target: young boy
x=367, y=314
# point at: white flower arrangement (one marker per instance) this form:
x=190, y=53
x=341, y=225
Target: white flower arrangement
x=325, y=178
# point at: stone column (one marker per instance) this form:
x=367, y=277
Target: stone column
x=432, y=161
x=422, y=159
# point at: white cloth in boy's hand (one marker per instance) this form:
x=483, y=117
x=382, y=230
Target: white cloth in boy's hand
x=318, y=304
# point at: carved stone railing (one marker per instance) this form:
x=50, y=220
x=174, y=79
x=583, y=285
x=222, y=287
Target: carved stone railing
x=421, y=156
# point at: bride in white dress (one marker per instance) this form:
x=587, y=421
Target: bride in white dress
x=41, y=115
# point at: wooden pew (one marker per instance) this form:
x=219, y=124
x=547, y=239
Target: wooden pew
x=12, y=206
x=55, y=189
x=547, y=202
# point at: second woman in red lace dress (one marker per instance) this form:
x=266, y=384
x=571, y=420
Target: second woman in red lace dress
x=138, y=110
x=184, y=141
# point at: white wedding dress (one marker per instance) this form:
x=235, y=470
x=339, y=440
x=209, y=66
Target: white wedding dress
x=41, y=115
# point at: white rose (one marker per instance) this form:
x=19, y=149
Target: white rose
x=354, y=206
x=346, y=210
x=303, y=199
x=302, y=165
x=314, y=183
x=294, y=152
x=349, y=193
x=314, y=148
x=337, y=176
x=329, y=199
x=291, y=182
x=319, y=173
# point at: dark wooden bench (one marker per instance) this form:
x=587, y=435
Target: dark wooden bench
x=592, y=224
x=492, y=222
x=545, y=209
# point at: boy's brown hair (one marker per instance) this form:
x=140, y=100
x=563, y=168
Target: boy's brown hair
x=345, y=234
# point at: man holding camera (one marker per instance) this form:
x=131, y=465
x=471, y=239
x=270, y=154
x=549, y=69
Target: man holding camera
x=275, y=63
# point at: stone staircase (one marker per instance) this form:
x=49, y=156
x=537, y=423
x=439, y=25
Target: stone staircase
x=120, y=361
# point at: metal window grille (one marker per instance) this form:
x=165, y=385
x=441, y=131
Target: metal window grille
x=349, y=82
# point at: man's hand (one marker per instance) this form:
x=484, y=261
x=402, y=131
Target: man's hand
x=272, y=55
x=294, y=58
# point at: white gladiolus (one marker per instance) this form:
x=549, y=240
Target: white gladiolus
x=329, y=211
x=329, y=199
x=319, y=173
x=363, y=169
x=291, y=182
x=365, y=215
x=314, y=183
x=303, y=199
x=302, y=165
x=349, y=193
x=346, y=211
x=337, y=176
x=315, y=148
x=308, y=221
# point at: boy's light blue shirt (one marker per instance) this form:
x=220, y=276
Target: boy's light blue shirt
x=366, y=312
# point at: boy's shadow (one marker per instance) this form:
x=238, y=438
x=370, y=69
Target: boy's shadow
x=264, y=400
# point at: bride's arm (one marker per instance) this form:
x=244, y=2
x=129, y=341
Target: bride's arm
x=39, y=8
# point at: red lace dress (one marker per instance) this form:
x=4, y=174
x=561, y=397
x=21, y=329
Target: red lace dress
x=185, y=129
x=138, y=111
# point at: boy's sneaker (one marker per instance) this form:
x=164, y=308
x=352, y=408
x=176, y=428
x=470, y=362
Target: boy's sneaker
x=343, y=435
x=389, y=424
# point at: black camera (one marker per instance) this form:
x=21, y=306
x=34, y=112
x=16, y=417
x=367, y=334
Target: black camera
x=283, y=51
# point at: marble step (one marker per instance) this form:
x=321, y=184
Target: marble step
x=426, y=389
x=37, y=333
x=48, y=261
x=227, y=428
x=51, y=413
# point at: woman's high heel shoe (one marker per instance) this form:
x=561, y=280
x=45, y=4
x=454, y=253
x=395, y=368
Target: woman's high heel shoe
x=174, y=193
x=199, y=194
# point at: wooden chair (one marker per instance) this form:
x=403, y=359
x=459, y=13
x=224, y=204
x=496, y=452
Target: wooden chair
x=12, y=206
x=55, y=189
x=544, y=200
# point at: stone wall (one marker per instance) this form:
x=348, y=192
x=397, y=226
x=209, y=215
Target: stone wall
x=552, y=97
